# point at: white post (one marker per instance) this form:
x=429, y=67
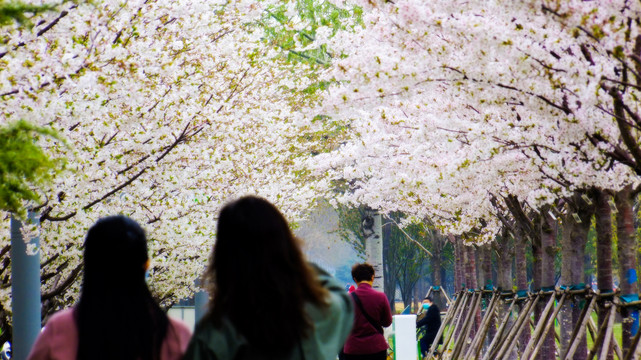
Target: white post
x=405, y=345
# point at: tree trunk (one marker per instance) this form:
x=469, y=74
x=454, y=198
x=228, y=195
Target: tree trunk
x=565, y=316
x=470, y=267
x=485, y=267
x=373, y=234
x=521, y=278
x=406, y=293
x=459, y=283
x=486, y=271
x=603, y=220
x=437, y=267
x=470, y=282
x=627, y=250
x=416, y=296
x=548, y=250
x=389, y=268
x=436, y=262
x=537, y=254
x=576, y=226
x=504, y=257
x=520, y=244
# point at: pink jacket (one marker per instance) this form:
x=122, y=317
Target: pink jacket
x=59, y=339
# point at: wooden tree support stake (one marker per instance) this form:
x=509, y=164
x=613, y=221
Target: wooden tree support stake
x=451, y=314
x=499, y=334
x=516, y=330
x=465, y=297
x=469, y=323
x=539, y=328
x=477, y=341
x=579, y=329
x=548, y=325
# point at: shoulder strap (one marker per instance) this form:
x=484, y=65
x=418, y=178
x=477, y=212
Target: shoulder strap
x=378, y=328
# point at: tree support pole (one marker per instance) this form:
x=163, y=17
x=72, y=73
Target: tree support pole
x=539, y=328
x=499, y=334
x=467, y=325
x=25, y=288
x=615, y=344
x=579, y=329
x=605, y=349
x=635, y=349
x=548, y=325
x=516, y=330
x=477, y=344
x=449, y=301
x=601, y=335
x=449, y=318
x=466, y=297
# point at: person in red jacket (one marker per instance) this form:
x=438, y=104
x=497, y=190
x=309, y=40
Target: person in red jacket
x=372, y=313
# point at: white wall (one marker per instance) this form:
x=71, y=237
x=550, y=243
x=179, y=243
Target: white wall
x=184, y=313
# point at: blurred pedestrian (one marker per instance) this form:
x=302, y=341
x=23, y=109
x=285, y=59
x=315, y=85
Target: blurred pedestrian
x=429, y=324
x=267, y=301
x=116, y=316
x=372, y=313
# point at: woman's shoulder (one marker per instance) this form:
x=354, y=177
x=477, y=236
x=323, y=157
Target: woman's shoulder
x=180, y=327
x=176, y=340
x=221, y=339
x=62, y=320
x=58, y=339
x=62, y=315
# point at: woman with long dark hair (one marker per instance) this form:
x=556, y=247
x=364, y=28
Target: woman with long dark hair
x=116, y=316
x=267, y=301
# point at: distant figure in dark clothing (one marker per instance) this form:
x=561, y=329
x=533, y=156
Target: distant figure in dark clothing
x=431, y=322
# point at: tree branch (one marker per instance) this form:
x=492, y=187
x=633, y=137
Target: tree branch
x=629, y=141
x=65, y=284
x=132, y=179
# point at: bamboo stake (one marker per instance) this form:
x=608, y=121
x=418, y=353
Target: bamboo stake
x=631, y=303
x=449, y=319
x=459, y=315
x=462, y=322
x=539, y=327
x=517, y=329
x=477, y=342
x=469, y=321
x=499, y=333
x=615, y=344
x=635, y=350
x=592, y=328
x=605, y=349
x=449, y=301
x=482, y=324
x=428, y=292
x=600, y=335
x=548, y=325
x=494, y=354
x=451, y=313
x=491, y=314
x=579, y=330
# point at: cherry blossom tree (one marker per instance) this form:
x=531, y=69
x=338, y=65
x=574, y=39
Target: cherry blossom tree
x=170, y=108
x=453, y=103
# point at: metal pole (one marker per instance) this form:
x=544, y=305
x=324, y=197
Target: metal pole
x=25, y=289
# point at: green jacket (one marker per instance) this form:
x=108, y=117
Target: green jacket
x=331, y=327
